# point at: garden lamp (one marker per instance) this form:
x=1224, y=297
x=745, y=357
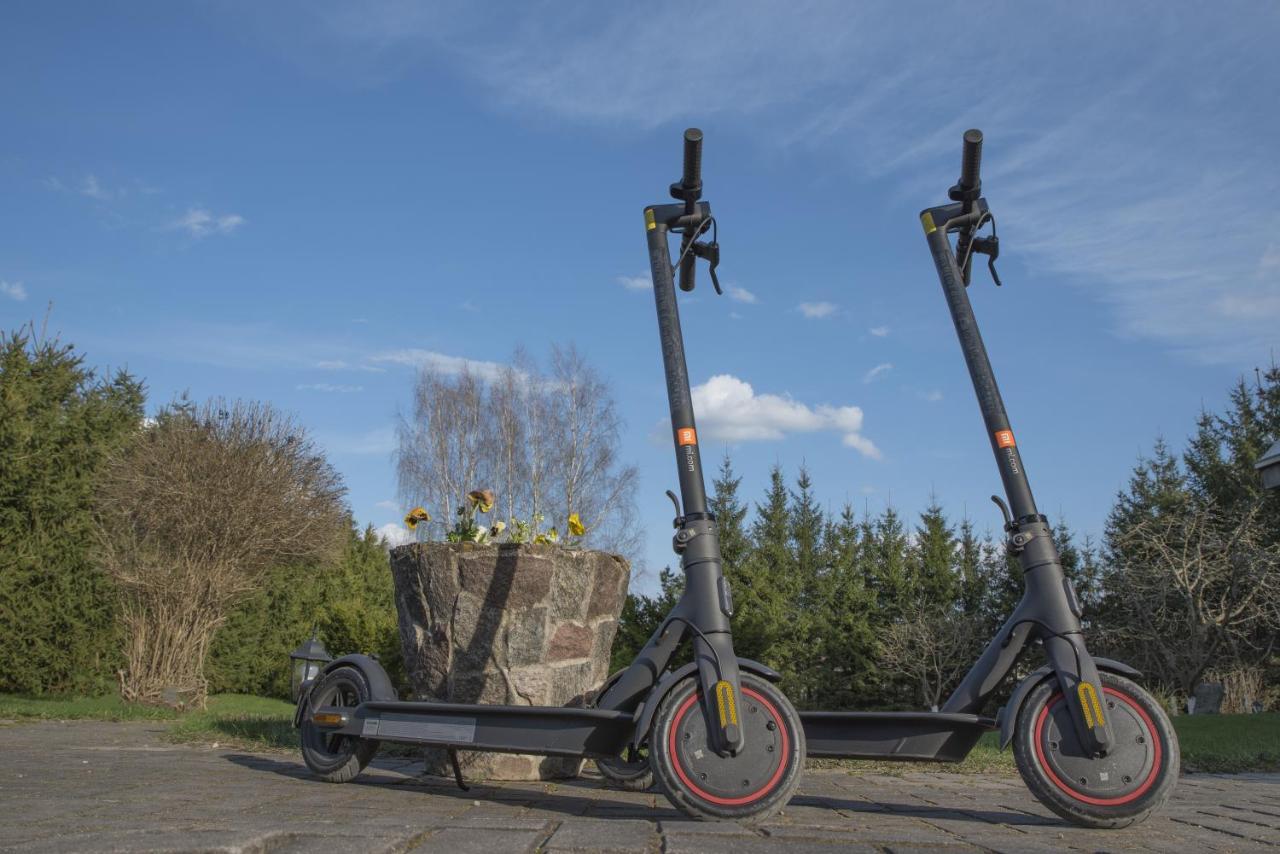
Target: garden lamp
x=307, y=661
x=1268, y=466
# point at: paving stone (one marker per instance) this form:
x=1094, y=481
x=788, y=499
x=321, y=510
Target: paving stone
x=605, y=835
x=90, y=786
x=460, y=840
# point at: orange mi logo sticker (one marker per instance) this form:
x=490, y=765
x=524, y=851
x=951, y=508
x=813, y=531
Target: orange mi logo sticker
x=686, y=436
x=1004, y=439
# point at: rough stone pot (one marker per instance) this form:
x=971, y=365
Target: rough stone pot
x=506, y=624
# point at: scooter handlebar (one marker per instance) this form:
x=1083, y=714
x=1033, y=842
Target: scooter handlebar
x=971, y=162
x=692, y=159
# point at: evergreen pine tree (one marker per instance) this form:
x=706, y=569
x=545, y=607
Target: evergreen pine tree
x=58, y=423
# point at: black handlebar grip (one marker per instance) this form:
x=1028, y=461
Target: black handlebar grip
x=692, y=158
x=971, y=163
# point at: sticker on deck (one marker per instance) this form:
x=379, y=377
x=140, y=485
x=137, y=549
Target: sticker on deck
x=686, y=436
x=1004, y=439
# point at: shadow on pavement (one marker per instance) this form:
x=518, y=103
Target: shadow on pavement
x=583, y=797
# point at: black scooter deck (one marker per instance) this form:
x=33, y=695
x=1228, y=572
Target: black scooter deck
x=545, y=731
x=898, y=736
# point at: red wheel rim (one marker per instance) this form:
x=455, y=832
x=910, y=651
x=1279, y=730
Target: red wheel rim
x=1080, y=796
x=715, y=799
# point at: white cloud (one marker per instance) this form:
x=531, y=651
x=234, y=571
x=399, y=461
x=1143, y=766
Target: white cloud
x=933, y=395
x=330, y=387
x=877, y=372
x=741, y=295
x=200, y=223
x=730, y=410
x=13, y=290
x=816, y=310
x=448, y=365
x=879, y=331
x=636, y=283
x=394, y=534
x=332, y=365
x=387, y=505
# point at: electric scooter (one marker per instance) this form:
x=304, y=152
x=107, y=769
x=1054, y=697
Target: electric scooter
x=722, y=739
x=1089, y=742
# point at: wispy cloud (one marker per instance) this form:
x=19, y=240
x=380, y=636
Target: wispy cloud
x=200, y=223
x=741, y=295
x=817, y=310
x=13, y=290
x=379, y=441
x=879, y=331
x=93, y=189
x=330, y=388
x=635, y=283
x=877, y=372
x=441, y=362
x=932, y=395
x=730, y=410
x=1169, y=235
x=387, y=505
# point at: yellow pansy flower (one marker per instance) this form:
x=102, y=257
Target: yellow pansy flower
x=416, y=515
x=482, y=499
x=576, y=528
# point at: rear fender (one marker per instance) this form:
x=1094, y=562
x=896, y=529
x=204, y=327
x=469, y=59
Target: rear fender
x=380, y=687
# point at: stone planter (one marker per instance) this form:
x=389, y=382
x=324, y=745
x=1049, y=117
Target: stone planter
x=506, y=624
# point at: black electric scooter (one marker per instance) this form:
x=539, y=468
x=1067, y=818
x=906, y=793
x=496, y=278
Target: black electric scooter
x=1092, y=745
x=723, y=740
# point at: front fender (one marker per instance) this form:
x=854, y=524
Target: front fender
x=380, y=687
x=645, y=717
x=1007, y=717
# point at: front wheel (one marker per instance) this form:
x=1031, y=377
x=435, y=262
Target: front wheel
x=1115, y=790
x=749, y=786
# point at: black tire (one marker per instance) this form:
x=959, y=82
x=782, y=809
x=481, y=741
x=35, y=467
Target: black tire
x=336, y=758
x=748, y=787
x=1117, y=790
x=630, y=771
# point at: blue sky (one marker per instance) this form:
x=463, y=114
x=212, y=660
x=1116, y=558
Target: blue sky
x=299, y=202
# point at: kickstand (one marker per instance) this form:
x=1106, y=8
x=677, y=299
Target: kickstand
x=457, y=771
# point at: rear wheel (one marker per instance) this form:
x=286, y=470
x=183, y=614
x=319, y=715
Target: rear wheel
x=336, y=758
x=1135, y=778
x=747, y=787
x=629, y=771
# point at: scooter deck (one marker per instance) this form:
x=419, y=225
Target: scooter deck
x=896, y=736
x=542, y=730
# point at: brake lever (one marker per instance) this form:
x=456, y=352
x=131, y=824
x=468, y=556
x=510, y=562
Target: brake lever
x=710, y=251
x=989, y=246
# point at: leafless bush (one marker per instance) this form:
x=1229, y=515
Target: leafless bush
x=1204, y=589
x=546, y=443
x=191, y=514
x=934, y=647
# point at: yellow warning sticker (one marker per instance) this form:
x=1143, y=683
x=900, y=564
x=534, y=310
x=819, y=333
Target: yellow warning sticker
x=724, y=699
x=649, y=224
x=1090, y=705
x=926, y=219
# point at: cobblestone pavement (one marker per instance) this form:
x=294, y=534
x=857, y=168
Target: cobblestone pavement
x=91, y=786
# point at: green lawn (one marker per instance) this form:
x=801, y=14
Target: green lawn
x=1210, y=743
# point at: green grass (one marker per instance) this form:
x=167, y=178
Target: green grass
x=1229, y=743
x=238, y=720
x=1210, y=743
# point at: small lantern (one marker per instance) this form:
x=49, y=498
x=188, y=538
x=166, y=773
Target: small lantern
x=1268, y=467
x=307, y=661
